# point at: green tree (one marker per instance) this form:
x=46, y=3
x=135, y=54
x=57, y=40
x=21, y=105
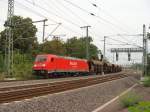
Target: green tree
x=148, y=68
x=76, y=47
x=23, y=34
x=55, y=46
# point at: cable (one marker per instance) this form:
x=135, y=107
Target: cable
x=116, y=44
x=76, y=15
x=53, y=31
x=95, y=5
x=35, y=12
x=109, y=23
x=92, y=14
x=84, y=10
x=69, y=29
x=48, y=11
x=125, y=42
x=106, y=12
x=68, y=21
x=77, y=7
x=59, y=10
x=73, y=13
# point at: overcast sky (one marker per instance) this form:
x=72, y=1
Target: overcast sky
x=111, y=17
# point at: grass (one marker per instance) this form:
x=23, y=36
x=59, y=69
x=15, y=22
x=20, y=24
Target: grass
x=23, y=71
x=146, y=82
x=2, y=76
x=130, y=99
x=22, y=67
x=140, y=107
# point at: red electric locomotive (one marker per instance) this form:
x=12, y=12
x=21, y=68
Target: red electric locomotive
x=50, y=65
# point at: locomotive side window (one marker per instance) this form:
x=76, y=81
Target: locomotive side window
x=41, y=58
x=52, y=59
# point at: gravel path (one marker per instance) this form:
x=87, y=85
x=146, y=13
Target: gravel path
x=79, y=100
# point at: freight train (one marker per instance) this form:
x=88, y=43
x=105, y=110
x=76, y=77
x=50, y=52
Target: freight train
x=49, y=65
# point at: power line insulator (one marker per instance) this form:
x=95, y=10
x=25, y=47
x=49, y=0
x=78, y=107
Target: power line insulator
x=94, y=5
x=92, y=14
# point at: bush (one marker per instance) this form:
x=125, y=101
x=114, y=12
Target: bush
x=146, y=82
x=23, y=71
x=22, y=68
x=2, y=76
x=130, y=99
x=140, y=107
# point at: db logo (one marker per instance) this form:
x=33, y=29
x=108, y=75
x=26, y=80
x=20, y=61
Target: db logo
x=73, y=63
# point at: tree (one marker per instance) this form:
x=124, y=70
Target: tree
x=76, y=47
x=55, y=46
x=148, y=67
x=23, y=34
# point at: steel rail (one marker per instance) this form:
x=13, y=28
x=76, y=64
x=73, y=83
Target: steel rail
x=43, y=84
x=21, y=93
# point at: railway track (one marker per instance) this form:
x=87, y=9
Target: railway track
x=9, y=94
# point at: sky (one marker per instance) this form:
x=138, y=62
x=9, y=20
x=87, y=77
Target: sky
x=111, y=17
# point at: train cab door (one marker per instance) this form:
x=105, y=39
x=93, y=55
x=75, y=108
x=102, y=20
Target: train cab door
x=53, y=64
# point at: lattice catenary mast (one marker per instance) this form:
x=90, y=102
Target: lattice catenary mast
x=9, y=38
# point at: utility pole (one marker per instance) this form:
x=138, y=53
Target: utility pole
x=9, y=38
x=44, y=29
x=87, y=40
x=104, y=45
x=44, y=21
x=144, y=51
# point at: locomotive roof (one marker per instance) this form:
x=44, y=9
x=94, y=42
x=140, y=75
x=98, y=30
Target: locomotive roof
x=72, y=58
x=66, y=57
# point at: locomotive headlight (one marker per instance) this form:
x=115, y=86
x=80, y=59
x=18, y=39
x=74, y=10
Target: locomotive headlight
x=43, y=65
x=35, y=65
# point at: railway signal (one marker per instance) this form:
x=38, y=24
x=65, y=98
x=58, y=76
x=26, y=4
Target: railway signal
x=126, y=50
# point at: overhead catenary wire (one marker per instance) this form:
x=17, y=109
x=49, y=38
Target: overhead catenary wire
x=92, y=14
x=72, y=12
x=106, y=12
x=56, y=23
x=84, y=10
x=62, y=26
x=125, y=42
x=50, y=12
x=35, y=12
x=78, y=7
x=67, y=20
x=41, y=15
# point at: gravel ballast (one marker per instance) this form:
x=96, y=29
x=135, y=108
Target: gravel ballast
x=84, y=99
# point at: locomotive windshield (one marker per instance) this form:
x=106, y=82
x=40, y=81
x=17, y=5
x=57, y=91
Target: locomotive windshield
x=41, y=58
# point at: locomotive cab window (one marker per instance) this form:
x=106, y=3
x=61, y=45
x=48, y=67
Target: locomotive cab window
x=41, y=58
